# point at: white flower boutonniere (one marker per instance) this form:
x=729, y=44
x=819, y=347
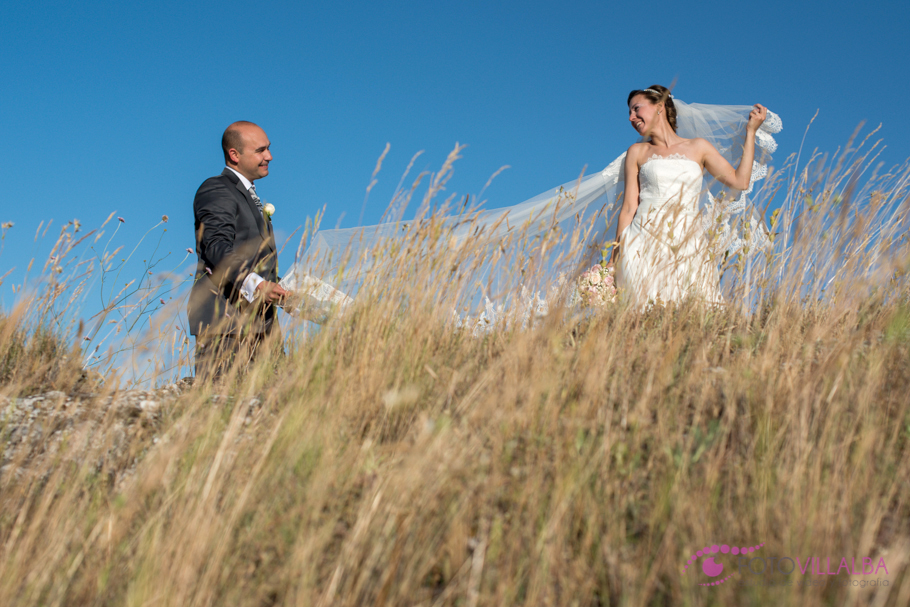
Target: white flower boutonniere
x=268, y=209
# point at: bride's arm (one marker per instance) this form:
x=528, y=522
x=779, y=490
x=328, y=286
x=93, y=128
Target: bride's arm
x=723, y=171
x=630, y=198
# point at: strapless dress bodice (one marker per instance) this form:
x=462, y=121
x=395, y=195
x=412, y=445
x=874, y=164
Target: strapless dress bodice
x=674, y=182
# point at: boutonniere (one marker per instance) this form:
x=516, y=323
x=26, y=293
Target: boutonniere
x=268, y=209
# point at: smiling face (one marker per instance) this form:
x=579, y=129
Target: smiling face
x=253, y=157
x=643, y=114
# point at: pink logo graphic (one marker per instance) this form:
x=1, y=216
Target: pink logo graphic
x=713, y=569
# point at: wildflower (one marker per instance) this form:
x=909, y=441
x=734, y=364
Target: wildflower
x=268, y=209
x=162, y=301
x=208, y=271
x=121, y=220
x=164, y=218
x=8, y=225
x=189, y=250
x=86, y=338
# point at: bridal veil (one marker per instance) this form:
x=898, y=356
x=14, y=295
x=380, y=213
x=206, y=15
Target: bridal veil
x=526, y=251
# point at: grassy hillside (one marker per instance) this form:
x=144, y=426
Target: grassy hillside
x=407, y=464
x=394, y=459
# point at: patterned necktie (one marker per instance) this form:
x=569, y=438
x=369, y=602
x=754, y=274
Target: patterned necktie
x=255, y=198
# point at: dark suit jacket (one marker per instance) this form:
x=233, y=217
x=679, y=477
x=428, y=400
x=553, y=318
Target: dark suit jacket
x=232, y=240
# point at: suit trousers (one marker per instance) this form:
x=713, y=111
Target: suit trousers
x=216, y=354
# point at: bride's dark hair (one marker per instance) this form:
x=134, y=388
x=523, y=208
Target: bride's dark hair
x=657, y=94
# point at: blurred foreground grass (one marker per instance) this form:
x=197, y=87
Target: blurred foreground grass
x=404, y=463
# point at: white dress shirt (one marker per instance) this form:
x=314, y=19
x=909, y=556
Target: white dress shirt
x=252, y=280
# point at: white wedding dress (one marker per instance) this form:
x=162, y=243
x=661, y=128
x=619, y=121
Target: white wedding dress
x=664, y=254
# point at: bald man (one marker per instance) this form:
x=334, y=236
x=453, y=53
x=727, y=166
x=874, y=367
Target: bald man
x=235, y=292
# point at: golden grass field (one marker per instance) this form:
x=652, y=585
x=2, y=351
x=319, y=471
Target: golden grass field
x=394, y=459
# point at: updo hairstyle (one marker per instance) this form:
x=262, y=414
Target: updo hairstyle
x=662, y=95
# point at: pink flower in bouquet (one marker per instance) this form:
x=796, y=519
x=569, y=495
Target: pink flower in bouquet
x=596, y=286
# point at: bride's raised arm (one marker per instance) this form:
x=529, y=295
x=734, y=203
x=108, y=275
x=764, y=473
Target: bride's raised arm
x=723, y=171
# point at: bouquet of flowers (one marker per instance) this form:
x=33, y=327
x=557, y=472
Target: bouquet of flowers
x=596, y=286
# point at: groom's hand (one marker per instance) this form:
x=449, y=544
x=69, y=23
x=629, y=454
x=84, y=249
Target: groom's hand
x=271, y=292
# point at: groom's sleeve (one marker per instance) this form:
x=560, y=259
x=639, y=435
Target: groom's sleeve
x=250, y=284
x=216, y=213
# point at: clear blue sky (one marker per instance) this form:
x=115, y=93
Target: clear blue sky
x=116, y=106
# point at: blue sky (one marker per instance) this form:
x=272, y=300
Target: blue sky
x=113, y=106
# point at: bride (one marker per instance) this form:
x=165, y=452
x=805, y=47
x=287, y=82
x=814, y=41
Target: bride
x=661, y=253
x=672, y=227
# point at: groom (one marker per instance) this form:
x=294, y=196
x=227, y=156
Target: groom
x=232, y=303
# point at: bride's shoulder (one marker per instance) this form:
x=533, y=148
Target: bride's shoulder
x=638, y=150
x=699, y=148
x=697, y=143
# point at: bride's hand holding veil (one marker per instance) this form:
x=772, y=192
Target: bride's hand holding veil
x=757, y=118
x=723, y=171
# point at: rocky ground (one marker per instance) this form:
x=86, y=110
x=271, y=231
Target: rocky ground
x=110, y=432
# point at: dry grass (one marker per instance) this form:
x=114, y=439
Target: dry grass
x=392, y=459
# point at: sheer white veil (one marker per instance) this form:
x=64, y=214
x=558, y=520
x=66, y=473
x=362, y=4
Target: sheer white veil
x=733, y=222
x=557, y=231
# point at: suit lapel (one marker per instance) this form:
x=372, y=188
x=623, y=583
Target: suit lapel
x=271, y=239
x=260, y=221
